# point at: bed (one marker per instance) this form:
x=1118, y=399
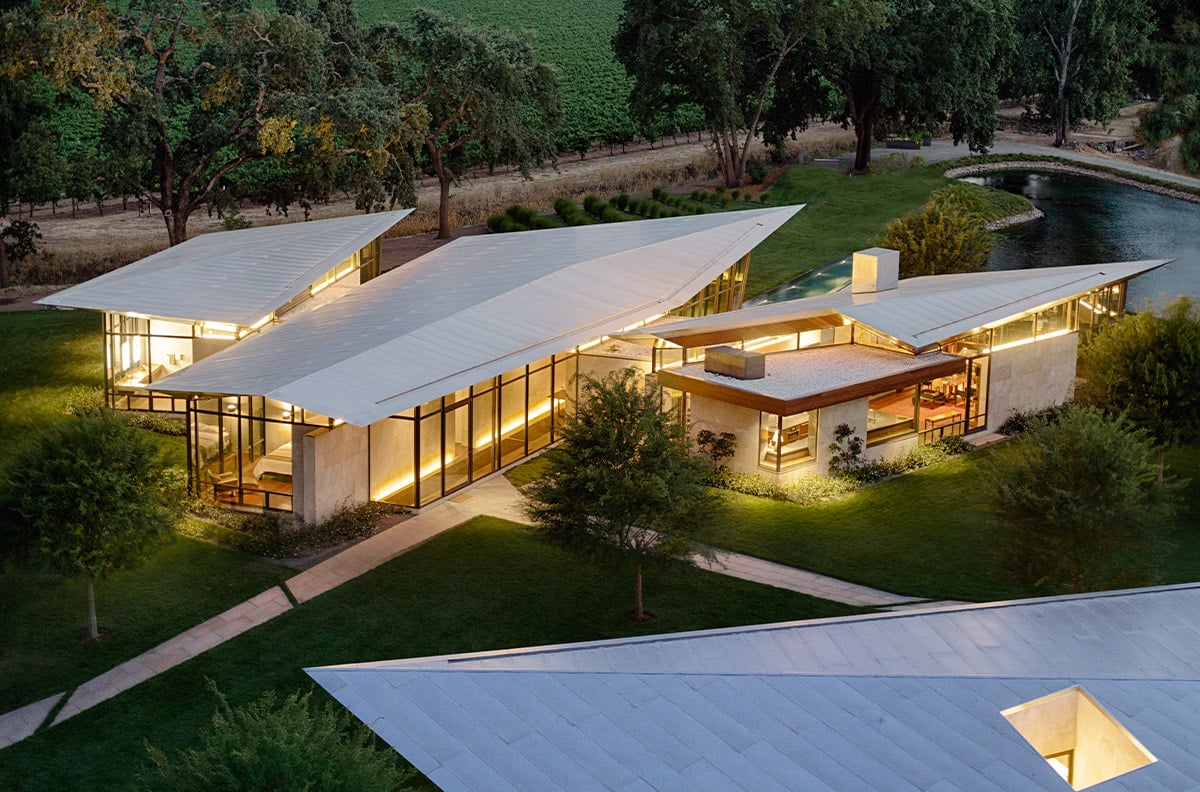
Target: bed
x=278, y=461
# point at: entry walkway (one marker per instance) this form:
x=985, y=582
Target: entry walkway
x=494, y=496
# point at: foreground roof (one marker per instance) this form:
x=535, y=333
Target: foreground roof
x=919, y=313
x=236, y=277
x=477, y=307
x=898, y=701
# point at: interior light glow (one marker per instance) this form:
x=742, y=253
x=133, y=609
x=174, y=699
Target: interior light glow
x=591, y=344
x=395, y=485
x=218, y=330
x=1024, y=341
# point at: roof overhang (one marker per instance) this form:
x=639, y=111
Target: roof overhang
x=808, y=379
x=233, y=277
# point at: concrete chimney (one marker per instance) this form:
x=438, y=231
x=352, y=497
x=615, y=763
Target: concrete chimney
x=875, y=270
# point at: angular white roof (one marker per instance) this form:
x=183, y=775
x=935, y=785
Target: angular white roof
x=475, y=308
x=237, y=277
x=898, y=701
x=921, y=312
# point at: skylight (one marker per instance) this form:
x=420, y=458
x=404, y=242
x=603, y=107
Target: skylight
x=1079, y=739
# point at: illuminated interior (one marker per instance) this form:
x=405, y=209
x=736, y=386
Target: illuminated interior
x=1080, y=740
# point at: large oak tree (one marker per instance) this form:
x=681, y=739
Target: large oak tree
x=1076, y=57
x=727, y=59
x=489, y=100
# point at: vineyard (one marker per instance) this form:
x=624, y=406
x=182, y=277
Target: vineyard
x=574, y=36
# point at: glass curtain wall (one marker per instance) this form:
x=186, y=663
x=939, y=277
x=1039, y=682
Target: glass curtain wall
x=140, y=350
x=426, y=453
x=240, y=449
x=786, y=441
x=725, y=293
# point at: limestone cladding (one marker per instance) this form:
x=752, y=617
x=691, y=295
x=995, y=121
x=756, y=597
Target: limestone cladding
x=852, y=413
x=1030, y=377
x=335, y=470
x=718, y=417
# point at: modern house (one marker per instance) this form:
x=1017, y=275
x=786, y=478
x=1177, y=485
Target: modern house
x=899, y=362
x=311, y=381
x=1094, y=690
x=416, y=382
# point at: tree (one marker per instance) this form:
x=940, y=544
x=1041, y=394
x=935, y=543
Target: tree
x=1171, y=72
x=196, y=89
x=489, y=100
x=268, y=745
x=727, y=59
x=1077, y=503
x=95, y=497
x=1077, y=56
x=1147, y=368
x=18, y=241
x=932, y=63
x=622, y=484
x=938, y=239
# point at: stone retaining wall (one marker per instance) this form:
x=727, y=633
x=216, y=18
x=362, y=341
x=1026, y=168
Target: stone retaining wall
x=1074, y=170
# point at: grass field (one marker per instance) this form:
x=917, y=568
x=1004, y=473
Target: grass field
x=927, y=534
x=488, y=584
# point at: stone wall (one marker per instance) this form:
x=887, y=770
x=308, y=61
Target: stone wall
x=333, y=468
x=1030, y=377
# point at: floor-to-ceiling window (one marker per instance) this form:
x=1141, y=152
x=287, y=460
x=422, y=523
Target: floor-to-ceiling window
x=426, y=453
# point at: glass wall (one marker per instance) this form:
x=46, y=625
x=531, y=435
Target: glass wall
x=240, y=449
x=785, y=441
x=892, y=414
x=427, y=453
x=725, y=293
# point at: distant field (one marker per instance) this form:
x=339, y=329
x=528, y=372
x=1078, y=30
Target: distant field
x=574, y=36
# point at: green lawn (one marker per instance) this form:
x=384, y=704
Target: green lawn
x=842, y=214
x=926, y=534
x=488, y=584
x=43, y=355
x=183, y=584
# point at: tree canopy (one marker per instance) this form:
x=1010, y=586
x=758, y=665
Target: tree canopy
x=929, y=64
x=1077, y=502
x=1076, y=57
x=270, y=745
x=729, y=60
x=94, y=496
x=1147, y=368
x=489, y=101
x=1171, y=72
x=622, y=484
x=195, y=90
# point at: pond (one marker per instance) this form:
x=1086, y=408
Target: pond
x=1087, y=221
x=1090, y=220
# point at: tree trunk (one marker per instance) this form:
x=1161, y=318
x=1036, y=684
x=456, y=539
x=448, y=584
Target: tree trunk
x=864, y=132
x=639, y=613
x=3, y=265
x=444, y=180
x=93, y=626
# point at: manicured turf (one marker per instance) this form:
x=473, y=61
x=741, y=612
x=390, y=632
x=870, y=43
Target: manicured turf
x=926, y=534
x=43, y=355
x=842, y=214
x=488, y=584
x=183, y=584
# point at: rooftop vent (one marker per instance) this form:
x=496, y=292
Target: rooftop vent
x=1078, y=737
x=875, y=270
x=735, y=363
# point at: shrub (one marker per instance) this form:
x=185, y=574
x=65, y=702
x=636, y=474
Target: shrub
x=756, y=170
x=764, y=198
x=610, y=214
x=87, y=402
x=521, y=214
x=1019, y=422
x=502, y=223
x=621, y=201
x=277, y=536
x=934, y=240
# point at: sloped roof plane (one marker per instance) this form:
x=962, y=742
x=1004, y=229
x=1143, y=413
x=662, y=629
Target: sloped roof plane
x=236, y=277
x=920, y=312
x=475, y=308
x=896, y=701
